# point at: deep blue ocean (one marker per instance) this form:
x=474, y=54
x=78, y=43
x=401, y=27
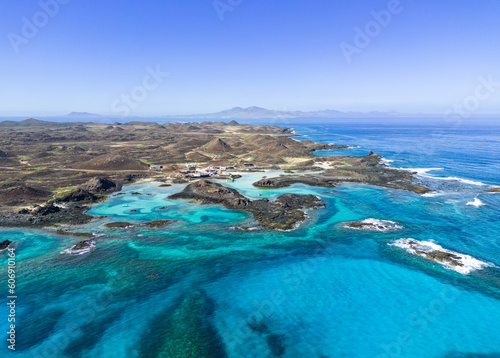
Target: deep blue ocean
x=319, y=291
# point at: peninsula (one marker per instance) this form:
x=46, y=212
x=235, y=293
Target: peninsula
x=52, y=172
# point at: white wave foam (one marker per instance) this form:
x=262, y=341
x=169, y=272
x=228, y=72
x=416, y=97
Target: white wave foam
x=465, y=263
x=421, y=171
x=373, y=225
x=477, y=203
x=433, y=194
x=461, y=180
x=86, y=250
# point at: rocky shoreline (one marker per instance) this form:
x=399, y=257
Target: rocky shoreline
x=363, y=170
x=69, y=209
x=284, y=213
x=62, y=197
x=281, y=214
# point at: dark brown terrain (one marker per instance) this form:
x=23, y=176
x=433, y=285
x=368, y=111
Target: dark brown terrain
x=284, y=213
x=42, y=160
x=51, y=172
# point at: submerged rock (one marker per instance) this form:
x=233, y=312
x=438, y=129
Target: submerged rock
x=159, y=223
x=76, y=234
x=189, y=330
x=275, y=342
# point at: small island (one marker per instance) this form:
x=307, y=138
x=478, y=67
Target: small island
x=285, y=213
x=51, y=173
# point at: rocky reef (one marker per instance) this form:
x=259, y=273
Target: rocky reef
x=461, y=263
x=275, y=341
x=81, y=248
x=159, y=223
x=189, y=330
x=284, y=213
x=363, y=170
x=372, y=225
x=155, y=224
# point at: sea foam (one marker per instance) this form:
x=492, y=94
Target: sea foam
x=477, y=203
x=467, y=263
x=423, y=173
x=371, y=224
x=86, y=250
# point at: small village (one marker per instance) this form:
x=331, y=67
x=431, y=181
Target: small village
x=217, y=172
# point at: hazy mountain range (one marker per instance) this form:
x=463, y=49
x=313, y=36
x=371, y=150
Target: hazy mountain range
x=263, y=113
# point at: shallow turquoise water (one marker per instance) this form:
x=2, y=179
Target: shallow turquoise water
x=320, y=291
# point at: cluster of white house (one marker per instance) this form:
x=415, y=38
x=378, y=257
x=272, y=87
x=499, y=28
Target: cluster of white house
x=194, y=172
x=210, y=171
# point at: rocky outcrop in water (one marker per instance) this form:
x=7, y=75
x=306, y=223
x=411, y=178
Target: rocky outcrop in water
x=159, y=223
x=362, y=170
x=83, y=247
x=285, y=181
x=155, y=224
x=373, y=225
x=119, y=225
x=4, y=244
x=284, y=213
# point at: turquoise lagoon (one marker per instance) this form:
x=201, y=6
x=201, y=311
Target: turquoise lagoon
x=201, y=286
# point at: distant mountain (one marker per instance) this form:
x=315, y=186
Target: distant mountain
x=82, y=114
x=252, y=112
x=31, y=122
x=263, y=113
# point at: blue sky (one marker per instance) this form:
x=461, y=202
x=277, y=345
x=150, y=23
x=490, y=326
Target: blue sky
x=275, y=54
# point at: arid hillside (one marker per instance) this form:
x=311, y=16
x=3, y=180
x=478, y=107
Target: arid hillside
x=40, y=159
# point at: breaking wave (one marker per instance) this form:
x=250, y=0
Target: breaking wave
x=451, y=260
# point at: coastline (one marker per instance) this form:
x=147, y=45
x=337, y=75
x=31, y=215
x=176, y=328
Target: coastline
x=239, y=148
